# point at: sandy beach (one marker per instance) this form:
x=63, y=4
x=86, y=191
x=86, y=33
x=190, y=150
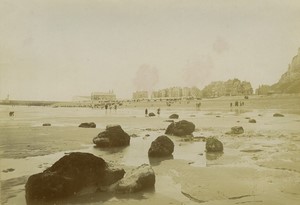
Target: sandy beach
x=260, y=166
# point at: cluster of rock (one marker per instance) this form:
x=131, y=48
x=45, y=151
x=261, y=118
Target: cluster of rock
x=113, y=136
x=75, y=171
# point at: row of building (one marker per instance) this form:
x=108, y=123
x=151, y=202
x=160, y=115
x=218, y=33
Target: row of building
x=173, y=92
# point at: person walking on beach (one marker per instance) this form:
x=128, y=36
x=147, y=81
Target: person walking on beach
x=158, y=111
x=146, y=112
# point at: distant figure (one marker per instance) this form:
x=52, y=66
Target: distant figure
x=236, y=103
x=158, y=111
x=231, y=104
x=146, y=112
x=12, y=113
x=198, y=105
x=116, y=106
x=106, y=106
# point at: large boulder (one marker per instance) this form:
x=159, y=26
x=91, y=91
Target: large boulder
x=278, y=115
x=213, y=145
x=69, y=175
x=113, y=136
x=88, y=125
x=174, y=116
x=236, y=130
x=180, y=128
x=138, y=179
x=161, y=147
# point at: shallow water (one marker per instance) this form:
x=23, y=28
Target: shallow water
x=136, y=154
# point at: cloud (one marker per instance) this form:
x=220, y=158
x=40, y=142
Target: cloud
x=146, y=78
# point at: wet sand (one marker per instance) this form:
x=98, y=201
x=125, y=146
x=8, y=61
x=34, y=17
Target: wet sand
x=261, y=166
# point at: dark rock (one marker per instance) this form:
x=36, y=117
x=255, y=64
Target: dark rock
x=151, y=114
x=213, y=145
x=46, y=124
x=169, y=120
x=252, y=121
x=69, y=175
x=174, y=116
x=113, y=136
x=161, y=147
x=180, y=128
x=247, y=118
x=278, y=115
x=88, y=125
x=138, y=179
x=8, y=170
x=236, y=130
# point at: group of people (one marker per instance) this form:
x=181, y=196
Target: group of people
x=237, y=103
x=106, y=106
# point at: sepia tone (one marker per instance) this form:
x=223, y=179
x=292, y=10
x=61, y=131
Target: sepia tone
x=149, y=102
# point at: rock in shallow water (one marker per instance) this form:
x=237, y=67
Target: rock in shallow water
x=69, y=175
x=180, y=128
x=174, y=116
x=113, y=136
x=88, y=125
x=278, y=115
x=161, y=147
x=236, y=130
x=252, y=121
x=213, y=145
x=138, y=179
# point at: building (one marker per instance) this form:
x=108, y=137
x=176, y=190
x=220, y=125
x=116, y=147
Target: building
x=103, y=96
x=140, y=95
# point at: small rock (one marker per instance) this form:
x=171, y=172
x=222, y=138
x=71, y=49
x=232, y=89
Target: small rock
x=174, y=116
x=236, y=130
x=88, y=125
x=151, y=114
x=247, y=118
x=8, y=170
x=46, y=124
x=252, y=121
x=278, y=115
x=169, y=120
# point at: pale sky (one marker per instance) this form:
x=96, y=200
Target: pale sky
x=57, y=49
